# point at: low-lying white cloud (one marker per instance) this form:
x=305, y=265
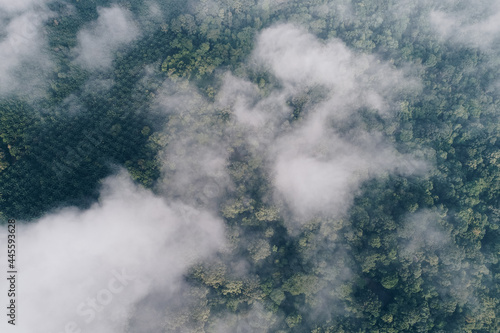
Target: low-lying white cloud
x=10, y=7
x=475, y=24
x=88, y=268
x=24, y=60
x=299, y=60
x=319, y=162
x=98, y=42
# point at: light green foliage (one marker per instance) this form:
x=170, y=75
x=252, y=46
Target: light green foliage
x=389, y=282
x=293, y=321
x=267, y=214
x=301, y=284
x=260, y=250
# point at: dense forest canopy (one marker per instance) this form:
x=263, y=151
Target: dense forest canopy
x=262, y=166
